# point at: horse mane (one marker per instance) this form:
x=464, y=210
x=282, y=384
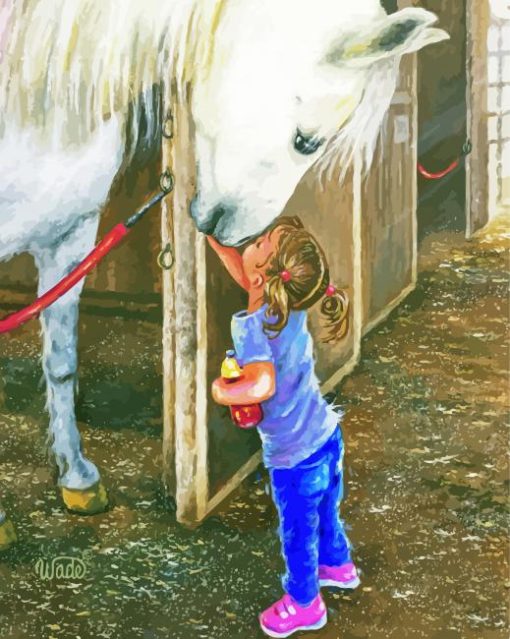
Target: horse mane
x=69, y=65
x=358, y=137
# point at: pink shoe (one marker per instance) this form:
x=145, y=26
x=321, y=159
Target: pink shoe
x=286, y=616
x=344, y=576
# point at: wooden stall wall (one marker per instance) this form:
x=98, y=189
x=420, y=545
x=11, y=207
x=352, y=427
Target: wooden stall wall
x=388, y=211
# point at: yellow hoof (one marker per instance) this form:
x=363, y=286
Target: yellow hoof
x=7, y=534
x=86, y=502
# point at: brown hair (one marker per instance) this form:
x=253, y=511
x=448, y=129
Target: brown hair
x=298, y=277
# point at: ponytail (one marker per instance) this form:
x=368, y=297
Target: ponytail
x=297, y=278
x=277, y=305
x=335, y=311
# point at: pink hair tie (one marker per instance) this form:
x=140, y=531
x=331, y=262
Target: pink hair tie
x=286, y=276
x=330, y=291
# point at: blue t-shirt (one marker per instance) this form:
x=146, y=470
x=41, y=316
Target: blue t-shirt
x=297, y=420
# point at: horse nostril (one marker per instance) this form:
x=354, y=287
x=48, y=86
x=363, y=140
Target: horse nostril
x=208, y=226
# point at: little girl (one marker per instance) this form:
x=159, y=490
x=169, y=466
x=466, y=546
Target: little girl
x=285, y=272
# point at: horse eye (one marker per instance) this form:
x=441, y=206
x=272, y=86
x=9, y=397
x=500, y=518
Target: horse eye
x=307, y=145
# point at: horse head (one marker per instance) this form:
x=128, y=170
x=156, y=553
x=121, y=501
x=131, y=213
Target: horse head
x=290, y=84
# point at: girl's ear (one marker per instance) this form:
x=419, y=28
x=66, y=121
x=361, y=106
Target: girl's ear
x=257, y=280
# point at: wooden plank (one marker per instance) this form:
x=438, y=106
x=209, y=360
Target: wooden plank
x=477, y=163
x=413, y=159
x=389, y=222
x=190, y=336
x=347, y=359
x=168, y=328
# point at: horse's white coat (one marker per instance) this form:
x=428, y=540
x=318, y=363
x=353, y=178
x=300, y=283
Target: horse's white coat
x=71, y=69
x=43, y=195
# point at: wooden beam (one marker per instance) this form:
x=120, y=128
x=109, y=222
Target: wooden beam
x=234, y=482
x=413, y=160
x=190, y=332
x=477, y=163
x=168, y=335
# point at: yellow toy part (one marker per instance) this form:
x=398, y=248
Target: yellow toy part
x=91, y=501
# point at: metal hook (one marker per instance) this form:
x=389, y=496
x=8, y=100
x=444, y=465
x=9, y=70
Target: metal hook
x=167, y=182
x=467, y=147
x=163, y=262
x=168, y=126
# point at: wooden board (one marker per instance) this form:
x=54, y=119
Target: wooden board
x=191, y=391
x=477, y=164
x=388, y=211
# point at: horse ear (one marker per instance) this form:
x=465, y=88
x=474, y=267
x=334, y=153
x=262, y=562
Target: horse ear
x=402, y=32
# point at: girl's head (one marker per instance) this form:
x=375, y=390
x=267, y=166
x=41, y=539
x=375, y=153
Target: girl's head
x=289, y=265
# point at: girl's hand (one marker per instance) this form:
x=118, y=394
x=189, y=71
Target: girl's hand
x=232, y=261
x=257, y=384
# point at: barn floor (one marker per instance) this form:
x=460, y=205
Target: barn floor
x=426, y=471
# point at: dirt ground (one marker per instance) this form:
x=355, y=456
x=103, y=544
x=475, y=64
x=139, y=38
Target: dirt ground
x=426, y=482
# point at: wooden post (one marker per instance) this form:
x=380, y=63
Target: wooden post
x=477, y=163
x=190, y=332
x=414, y=162
x=168, y=341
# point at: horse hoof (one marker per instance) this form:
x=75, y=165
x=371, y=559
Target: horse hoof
x=91, y=501
x=7, y=534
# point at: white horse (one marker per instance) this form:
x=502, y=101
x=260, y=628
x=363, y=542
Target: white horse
x=276, y=86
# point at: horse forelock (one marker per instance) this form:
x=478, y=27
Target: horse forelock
x=68, y=65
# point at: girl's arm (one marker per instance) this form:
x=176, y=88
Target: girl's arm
x=232, y=261
x=256, y=385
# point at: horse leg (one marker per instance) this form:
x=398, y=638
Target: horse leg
x=79, y=479
x=7, y=532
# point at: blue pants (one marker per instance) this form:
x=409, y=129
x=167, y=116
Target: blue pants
x=308, y=498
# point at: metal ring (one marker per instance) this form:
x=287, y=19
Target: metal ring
x=167, y=181
x=467, y=147
x=163, y=262
x=168, y=127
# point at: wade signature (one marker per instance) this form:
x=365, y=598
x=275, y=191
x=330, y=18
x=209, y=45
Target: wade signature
x=61, y=567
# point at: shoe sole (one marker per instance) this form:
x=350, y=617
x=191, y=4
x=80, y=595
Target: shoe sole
x=344, y=585
x=278, y=635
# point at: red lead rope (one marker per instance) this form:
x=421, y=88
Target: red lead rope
x=109, y=242
x=440, y=174
x=429, y=175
